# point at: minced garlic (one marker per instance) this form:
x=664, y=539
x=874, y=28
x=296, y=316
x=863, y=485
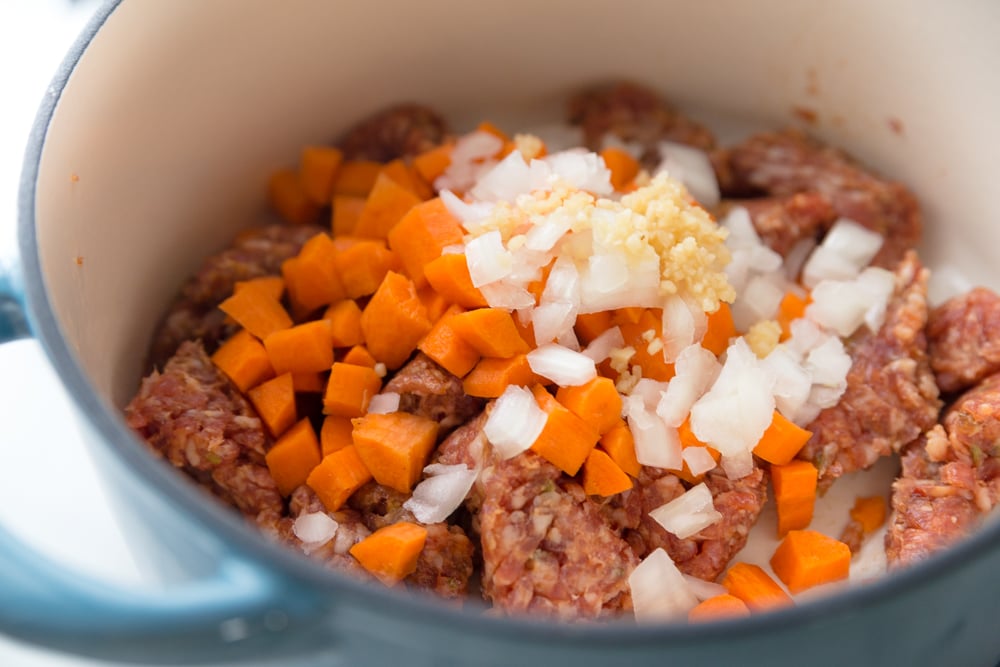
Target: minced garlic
x=529, y=146
x=763, y=337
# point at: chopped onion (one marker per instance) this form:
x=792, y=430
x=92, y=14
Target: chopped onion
x=502, y=294
x=550, y=320
x=880, y=283
x=505, y=181
x=797, y=256
x=545, y=233
x=659, y=590
x=515, y=422
x=694, y=372
x=846, y=249
x=569, y=340
x=656, y=444
x=581, y=169
x=839, y=305
x=698, y=459
x=438, y=495
x=488, y=260
x=314, y=529
x=792, y=383
x=641, y=289
x=702, y=589
x=565, y=367
x=650, y=391
x=384, y=403
x=738, y=465
x=759, y=300
x=470, y=215
x=691, y=167
x=563, y=282
x=600, y=348
x=689, y=513
x=608, y=272
x=733, y=415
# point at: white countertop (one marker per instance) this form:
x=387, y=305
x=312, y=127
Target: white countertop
x=49, y=494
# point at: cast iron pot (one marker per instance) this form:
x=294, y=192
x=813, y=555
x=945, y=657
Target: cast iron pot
x=152, y=149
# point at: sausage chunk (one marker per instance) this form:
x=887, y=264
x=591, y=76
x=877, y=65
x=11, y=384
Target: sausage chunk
x=891, y=397
x=950, y=478
x=195, y=418
x=430, y=391
x=781, y=164
x=782, y=222
x=963, y=337
x=195, y=313
x=547, y=548
x=636, y=115
x=401, y=131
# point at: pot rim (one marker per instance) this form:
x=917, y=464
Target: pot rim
x=248, y=543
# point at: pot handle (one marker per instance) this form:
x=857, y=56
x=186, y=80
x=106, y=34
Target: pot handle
x=237, y=609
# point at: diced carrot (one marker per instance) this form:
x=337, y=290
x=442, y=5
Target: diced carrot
x=337, y=476
x=807, y=558
x=794, y=494
x=350, y=389
x=255, y=309
x=386, y=205
x=752, y=584
x=793, y=307
x=720, y=606
x=447, y=348
x=390, y=554
x=591, y=325
x=526, y=330
x=335, y=434
x=274, y=401
x=289, y=200
x=421, y=186
x=449, y=276
x=311, y=276
x=596, y=402
x=394, y=321
x=363, y=266
x=243, y=360
x=491, y=331
x=781, y=441
x=869, y=512
x=602, y=476
x=720, y=330
x=565, y=440
x=304, y=348
x=620, y=446
x=395, y=446
x=356, y=178
x=431, y=163
x=317, y=170
x=630, y=315
x=487, y=126
x=407, y=177
x=422, y=234
x=491, y=376
x=624, y=168
x=435, y=304
x=273, y=286
x=345, y=213
x=293, y=457
x=345, y=323
x=359, y=356
x=642, y=336
x=308, y=383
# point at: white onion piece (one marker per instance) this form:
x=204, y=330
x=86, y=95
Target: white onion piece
x=384, y=403
x=760, y=300
x=702, y=589
x=880, y=283
x=738, y=465
x=846, y=249
x=505, y=181
x=314, y=528
x=600, y=348
x=681, y=322
x=488, y=260
x=544, y=234
x=691, y=167
x=641, y=289
x=612, y=140
x=551, y=320
x=565, y=367
x=515, y=422
x=698, y=459
x=502, y=294
x=563, y=282
x=805, y=335
x=792, y=383
x=742, y=233
x=470, y=149
x=581, y=169
x=694, y=372
x=470, y=215
x=735, y=412
x=689, y=513
x=650, y=391
x=656, y=444
x=839, y=305
x=659, y=590
x=438, y=495
x=796, y=258
x=569, y=340
x=608, y=272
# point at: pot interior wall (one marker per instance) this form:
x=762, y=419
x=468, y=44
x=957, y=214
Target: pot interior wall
x=161, y=144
